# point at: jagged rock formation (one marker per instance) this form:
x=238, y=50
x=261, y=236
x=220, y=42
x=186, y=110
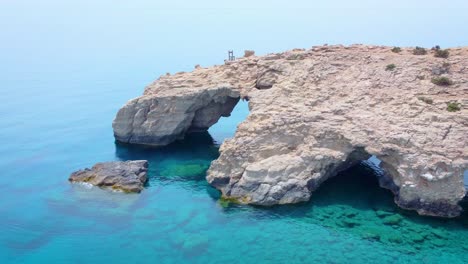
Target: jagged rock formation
x=318, y=111
x=126, y=176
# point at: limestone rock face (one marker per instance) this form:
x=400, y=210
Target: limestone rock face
x=127, y=176
x=160, y=119
x=316, y=112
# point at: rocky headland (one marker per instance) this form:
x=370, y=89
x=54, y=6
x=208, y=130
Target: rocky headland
x=126, y=176
x=316, y=112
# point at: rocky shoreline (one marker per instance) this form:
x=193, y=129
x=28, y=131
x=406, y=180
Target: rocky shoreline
x=316, y=112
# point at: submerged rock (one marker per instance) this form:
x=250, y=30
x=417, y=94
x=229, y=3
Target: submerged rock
x=439, y=233
x=126, y=176
x=372, y=236
x=418, y=238
x=392, y=219
x=394, y=239
x=314, y=113
x=382, y=214
x=438, y=242
x=349, y=222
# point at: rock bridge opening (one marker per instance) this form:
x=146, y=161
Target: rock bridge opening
x=226, y=126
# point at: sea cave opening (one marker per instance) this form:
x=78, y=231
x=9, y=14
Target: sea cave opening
x=358, y=186
x=377, y=182
x=362, y=181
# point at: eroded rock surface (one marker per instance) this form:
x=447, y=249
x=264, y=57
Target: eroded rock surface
x=126, y=176
x=162, y=118
x=318, y=111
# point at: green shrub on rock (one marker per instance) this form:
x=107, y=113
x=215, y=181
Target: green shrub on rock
x=390, y=67
x=441, y=81
x=441, y=53
x=419, y=51
x=453, y=107
x=396, y=49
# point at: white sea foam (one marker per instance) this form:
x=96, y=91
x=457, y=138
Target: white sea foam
x=86, y=185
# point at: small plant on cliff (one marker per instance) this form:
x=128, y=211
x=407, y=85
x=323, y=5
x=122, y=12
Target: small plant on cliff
x=248, y=53
x=295, y=57
x=441, y=81
x=441, y=53
x=453, y=107
x=427, y=100
x=390, y=67
x=396, y=49
x=419, y=51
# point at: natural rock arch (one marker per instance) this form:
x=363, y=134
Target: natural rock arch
x=314, y=112
x=161, y=119
x=280, y=176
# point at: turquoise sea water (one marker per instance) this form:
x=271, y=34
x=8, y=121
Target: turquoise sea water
x=179, y=218
x=67, y=66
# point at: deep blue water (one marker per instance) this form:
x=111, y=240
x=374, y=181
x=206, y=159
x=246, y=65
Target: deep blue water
x=67, y=66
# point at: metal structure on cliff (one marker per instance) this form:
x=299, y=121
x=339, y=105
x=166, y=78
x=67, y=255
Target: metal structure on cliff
x=231, y=55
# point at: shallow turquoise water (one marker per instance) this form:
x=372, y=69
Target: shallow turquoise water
x=179, y=218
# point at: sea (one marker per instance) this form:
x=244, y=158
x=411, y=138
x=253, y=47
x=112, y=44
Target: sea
x=65, y=70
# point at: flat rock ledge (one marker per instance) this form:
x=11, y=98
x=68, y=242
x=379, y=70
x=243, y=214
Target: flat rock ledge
x=315, y=112
x=126, y=176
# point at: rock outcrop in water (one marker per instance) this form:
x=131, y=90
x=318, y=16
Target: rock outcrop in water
x=126, y=176
x=316, y=112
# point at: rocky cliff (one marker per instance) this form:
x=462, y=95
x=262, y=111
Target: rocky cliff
x=316, y=112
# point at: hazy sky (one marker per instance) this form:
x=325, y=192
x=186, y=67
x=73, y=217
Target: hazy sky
x=168, y=36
